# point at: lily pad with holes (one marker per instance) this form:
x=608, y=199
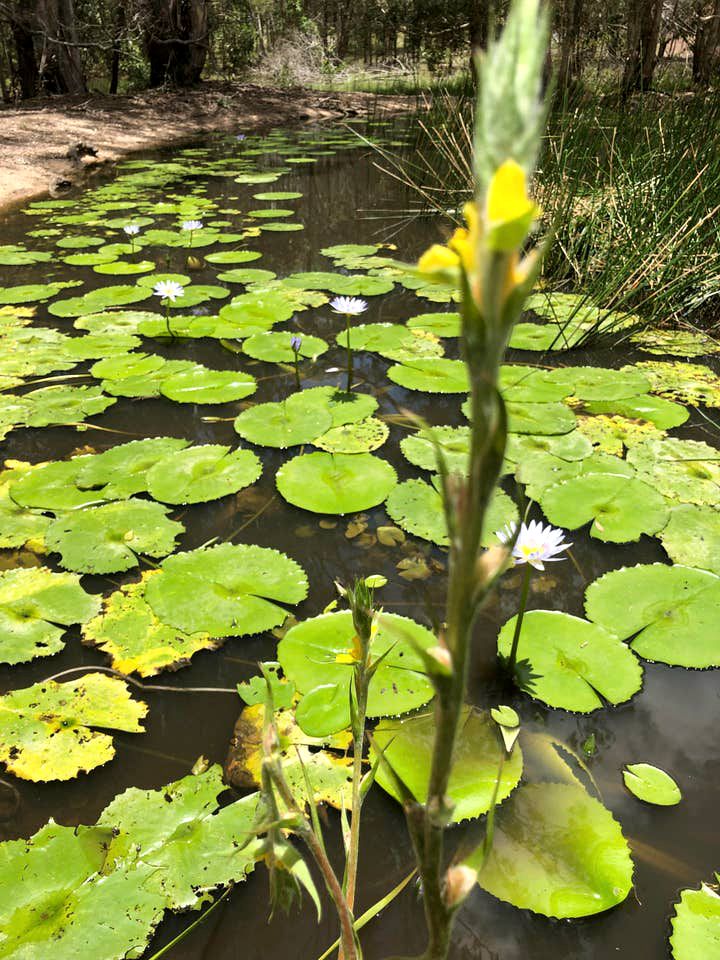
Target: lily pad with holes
x=692, y=536
x=274, y=347
x=109, y=538
x=536, y=863
x=317, y=656
x=121, y=471
x=453, y=444
x=135, y=639
x=407, y=748
x=336, y=483
x=201, y=473
x=35, y=607
x=671, y=612
x=417, y=507
x=285, y=424
x=664, y=414
x=573, y=664
x=692, y=383
x=683, y=470
x=620, y=509
x=696, y=925
x=612, y=435
x=362, y=436
x=230, y=590
x=201, y=385
x=434, y=375
x=46, y=730
x=651, y=784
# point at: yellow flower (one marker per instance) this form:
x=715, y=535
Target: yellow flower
x=438, y=258
x=509, y=211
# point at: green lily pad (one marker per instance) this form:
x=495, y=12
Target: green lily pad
x=274, y=347
x=539, y=419
x=684, y=470
x=453, y=443
x=202, y=473
x=434, y=375
x=620, y=509
x=335, y=483
x=354, y=285
x=108, y=538
x=567, y=446
x=135, y=639
x=651, y=784
x=525, y=384
x=696, y=925
x=574, y=665
x=57, y=405
x=35, y=292
x=96, y=301
x=230, y=590
x=417, y=507
x=233, y=256
x=440, y=324
x=288, y=423
x=536, y=863
x=390, y=340
x=407, y=748
x=51, y=486
x=612, y=435
x=692, y=383
x=673, y=613
x=664, y=414
x=45, y=729
x=246, y=275
x=599, y=383
x=343, y=407
x=677, y=343
x=35, y=607
x=692, y=536
x=361, y=436
x=121, y=471
x=124, y=268
x=317, y=656
x=542, y=470
x=201, y=385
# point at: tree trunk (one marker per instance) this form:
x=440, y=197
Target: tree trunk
x=176, y=40
x=569, y=67
x=28, y=76
x=707, y=40
x=116, y=48
x=478, y=17
x=643, y=31
x=61, y=67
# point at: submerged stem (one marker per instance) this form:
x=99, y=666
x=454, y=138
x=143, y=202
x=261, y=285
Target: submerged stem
x=518, y=623
x=349, y=355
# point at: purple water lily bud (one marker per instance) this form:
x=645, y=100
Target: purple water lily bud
x=295, y=343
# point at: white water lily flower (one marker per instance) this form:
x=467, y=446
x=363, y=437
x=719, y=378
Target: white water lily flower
x=192, y=225
x=349, y=306
x=168, y=290
x=131, y=229
x=535, y=544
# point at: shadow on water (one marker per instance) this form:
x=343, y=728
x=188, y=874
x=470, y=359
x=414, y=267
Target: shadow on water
x=672, y=722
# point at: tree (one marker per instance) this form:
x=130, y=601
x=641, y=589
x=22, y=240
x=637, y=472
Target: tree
x=569, y=66
x=707, y=40
x=176, y=40
x=643, y=32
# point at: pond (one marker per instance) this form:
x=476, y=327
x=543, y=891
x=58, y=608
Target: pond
x=329, y=188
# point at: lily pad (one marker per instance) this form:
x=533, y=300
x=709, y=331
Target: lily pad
x=479, y=751
x=202, y=473
x=600, y=383
x=542, y=470
x=109, y=538
x=684, y=470
x=539, y=419
x=664, y=414
x=135, y=639
x=537, y=864
x=35, y=607
x=288, y=423
x=392, y=341
x=673, y=613
x=335, y=483
x=526, y=384
x=434, y=375
x=651, y=784
x=612, y=435
x=51, y=486
x=692, y=383
x=121, y=471
x=453, y=443
x=696, y=925
x=354, y=285
x=620, y=509
x=201, y=385
x=573, y=664
x=361, y=436
x=317, y=656
x=45, y=729
x=692, y=537
x=230, y=590
x=440, y=324
x=274, y=347
x=343, y=407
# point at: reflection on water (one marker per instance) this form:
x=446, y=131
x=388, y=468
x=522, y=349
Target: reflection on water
x=671, y=722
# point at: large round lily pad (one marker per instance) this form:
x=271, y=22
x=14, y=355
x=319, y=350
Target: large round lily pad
x=537, y=863
x=229, y=590
x=692, y=536
x=392, y=341
x=453, y=444
x=407, y=748
x=121, y=471
x=434, y=375
x=672, y=612
x=343, y=407
x=202, y=473
x=285, y=424
x=317, y=655
x=201, y=385
x=544, y=419
x=336, y=482
x=696, y=925
x=533, y=385
x=599, y=383
x=51, y=486
x=663, y=413
x=571, y=663
x=275, y=347
x=109, y=538
x=684, y=470
x=35, y=607
x=361, y=436
x=619, y=508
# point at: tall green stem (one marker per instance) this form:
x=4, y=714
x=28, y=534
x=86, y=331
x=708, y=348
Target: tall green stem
x=167, y=320
x=358, y=744
x=518, y=623
x=349, y=355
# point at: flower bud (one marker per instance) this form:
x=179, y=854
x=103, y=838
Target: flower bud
x=459, y=881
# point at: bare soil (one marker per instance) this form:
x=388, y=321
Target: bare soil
x=39, y=140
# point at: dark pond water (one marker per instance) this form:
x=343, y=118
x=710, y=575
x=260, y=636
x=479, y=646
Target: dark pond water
x=672, y=722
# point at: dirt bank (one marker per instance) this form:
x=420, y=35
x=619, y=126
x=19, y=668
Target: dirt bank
x=39, y=139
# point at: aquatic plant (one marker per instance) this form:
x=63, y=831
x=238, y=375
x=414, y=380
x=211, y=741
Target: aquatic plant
x=348, y=307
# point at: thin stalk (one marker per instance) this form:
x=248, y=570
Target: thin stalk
x=349, y=355
x=518, y=623
x=361, y=686
x=167, y=320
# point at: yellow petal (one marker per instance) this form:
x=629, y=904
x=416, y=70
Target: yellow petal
x=507, y=197
x=438, y=258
